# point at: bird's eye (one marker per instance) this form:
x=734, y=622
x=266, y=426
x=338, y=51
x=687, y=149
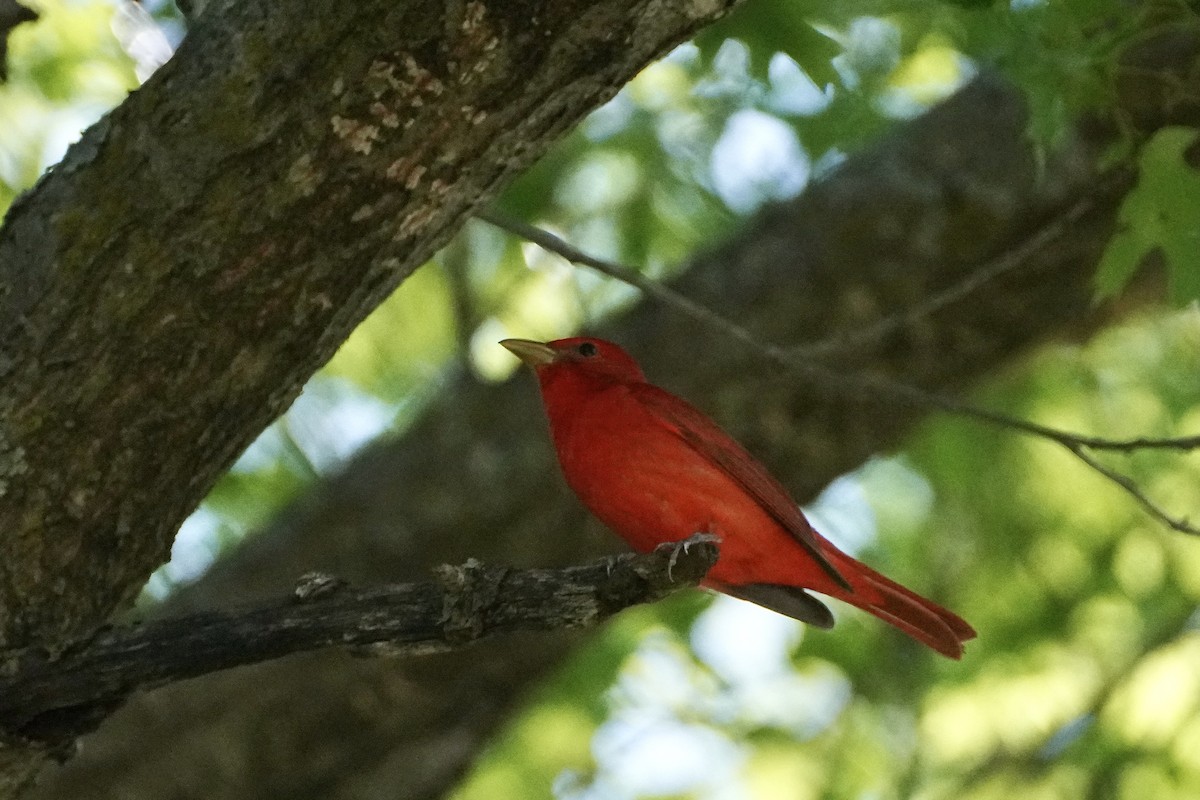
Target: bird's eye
x=587, y=350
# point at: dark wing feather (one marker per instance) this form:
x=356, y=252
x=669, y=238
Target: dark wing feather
x=705, y=437
x=787, y=600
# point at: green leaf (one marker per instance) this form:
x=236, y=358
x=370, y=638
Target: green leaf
x=770, y=28
x=1175, y=186
x=1161, y=213
x=1121, y=259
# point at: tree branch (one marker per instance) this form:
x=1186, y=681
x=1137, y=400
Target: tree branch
x=53, y=696
x=1009, y=260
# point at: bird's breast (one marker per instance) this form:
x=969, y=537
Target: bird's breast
x=640, y=478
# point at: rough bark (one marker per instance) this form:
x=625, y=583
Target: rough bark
x=168, y=288
x=60, y=695
x=894, y=226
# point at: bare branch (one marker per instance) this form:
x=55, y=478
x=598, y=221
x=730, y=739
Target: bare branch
x=54, y=696
x=1003, y=263
x=1130, y=486
x=554, y=244
x=801, y=361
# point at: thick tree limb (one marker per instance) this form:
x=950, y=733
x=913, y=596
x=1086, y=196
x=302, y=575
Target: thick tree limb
x=55, y=696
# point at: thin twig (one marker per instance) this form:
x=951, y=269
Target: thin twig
x=554, y=244
x=1127, y=483
x=1005, y=262
x=873, y=387
x=908, y=395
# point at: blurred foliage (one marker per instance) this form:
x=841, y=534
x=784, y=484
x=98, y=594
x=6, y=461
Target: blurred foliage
x=78, y=60
x=1084, y=679
x=64, y=71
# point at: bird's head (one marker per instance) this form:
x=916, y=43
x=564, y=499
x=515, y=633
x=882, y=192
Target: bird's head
x=579, y=357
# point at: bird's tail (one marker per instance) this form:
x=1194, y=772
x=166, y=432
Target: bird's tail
x=922, y=619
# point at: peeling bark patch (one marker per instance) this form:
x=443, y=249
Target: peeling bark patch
x=397, y=81
x=358, y=136
x=414, y=176
x=385, y=115
x=12, y=464
x=304, y=175
x=412, y=222
x=399, y=169
x=473, y=114
x=396, y=87
x=477, y=46
x=473, y=16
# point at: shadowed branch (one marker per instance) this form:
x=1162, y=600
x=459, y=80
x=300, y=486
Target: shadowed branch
x=54, y=696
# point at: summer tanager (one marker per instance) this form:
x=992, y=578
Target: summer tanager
x=656, y=470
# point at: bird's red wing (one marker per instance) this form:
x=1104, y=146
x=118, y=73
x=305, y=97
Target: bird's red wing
x=705, y=437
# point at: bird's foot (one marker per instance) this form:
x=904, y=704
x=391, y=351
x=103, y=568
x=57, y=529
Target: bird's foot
x=682, y=545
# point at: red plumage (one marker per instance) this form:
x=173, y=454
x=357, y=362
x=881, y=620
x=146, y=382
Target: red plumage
x=655, y=469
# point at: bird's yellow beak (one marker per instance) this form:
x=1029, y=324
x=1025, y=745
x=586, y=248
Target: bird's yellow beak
x=534, y=354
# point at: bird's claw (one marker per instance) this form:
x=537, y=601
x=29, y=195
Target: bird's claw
x=684, y=545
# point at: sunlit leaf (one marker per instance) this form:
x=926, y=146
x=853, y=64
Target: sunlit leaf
x=1162, y=212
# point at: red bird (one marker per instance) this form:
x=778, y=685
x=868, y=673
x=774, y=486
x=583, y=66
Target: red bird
x=657, y=470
